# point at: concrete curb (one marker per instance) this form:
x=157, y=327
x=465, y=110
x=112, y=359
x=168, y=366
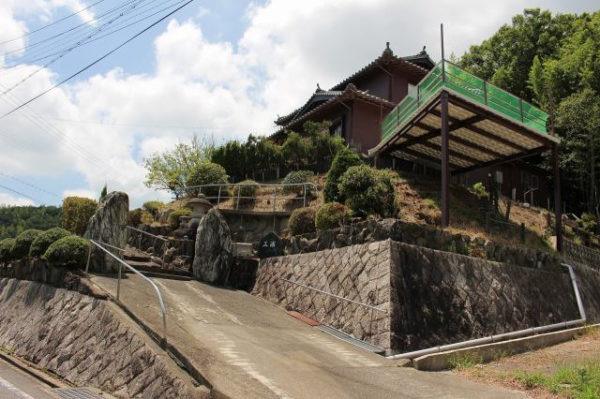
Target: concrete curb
x=490, y=352
x=33, y=371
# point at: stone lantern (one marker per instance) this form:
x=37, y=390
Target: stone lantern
x=199, y=205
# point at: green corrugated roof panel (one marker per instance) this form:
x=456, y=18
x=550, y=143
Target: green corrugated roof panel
x=471, y=87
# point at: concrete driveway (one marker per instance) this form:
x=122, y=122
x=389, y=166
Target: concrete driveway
x=247, y=347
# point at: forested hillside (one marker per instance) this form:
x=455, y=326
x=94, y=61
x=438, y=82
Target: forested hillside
x=15, y=219
x=554, y=62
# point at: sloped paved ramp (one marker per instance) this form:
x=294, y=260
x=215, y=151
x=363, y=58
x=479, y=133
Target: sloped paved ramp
x=247, y=347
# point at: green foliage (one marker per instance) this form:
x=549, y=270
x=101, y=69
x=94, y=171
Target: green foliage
x=246, y=188
x=342, y=161
x=479, y=190
x=76, y=213
x=324, y=146
x=176, y=214
x=462, y=361
x=589, y=222
x=170, y=169
x=139, y=216
x=297, y=177
x=23, y=242
x=297, y=150
x=103, y=193
x=368, y=191
x=302, y=221
x=154, y=208
x=331, y=215
x=206, y=173
x=41, y=243
x=70, y=251
x=15, y=219
x=6, y=247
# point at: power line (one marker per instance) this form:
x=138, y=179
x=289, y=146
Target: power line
x=30, y=185
x=52, y=23
x=97, y=60
x=19, y=193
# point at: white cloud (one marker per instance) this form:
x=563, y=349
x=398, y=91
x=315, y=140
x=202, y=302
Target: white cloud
x=81, y=193
x=10, y=200
x=226, y=89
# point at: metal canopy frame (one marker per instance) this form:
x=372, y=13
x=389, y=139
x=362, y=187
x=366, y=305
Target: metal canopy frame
x=460, y=135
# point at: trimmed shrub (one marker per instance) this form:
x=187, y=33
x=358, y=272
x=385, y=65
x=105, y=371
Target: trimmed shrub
x=479, y=190
x=246, y=188
x=297, y=177
x=207, y=173
x=368, y=191
x=302, y=221
x=45, y=239
x=69, y=251
x=174, y=217
x=76, y=213
x=342, y=161
x=23, y=242
x=153, y=208
x=331, y=215
x=6, y=246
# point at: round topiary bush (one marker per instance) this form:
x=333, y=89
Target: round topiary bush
x=206, y=173
x=69, y=252
x=368, y=191
x=45, y=239
x=23, y=242
x=6, y=247
x=175, y=215
x=293, y=180
x=331, y=215
x=246, y=188
x=302, y=221
x=342, y=161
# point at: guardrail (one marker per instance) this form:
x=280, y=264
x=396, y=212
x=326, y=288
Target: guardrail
x=447, y=74
x=219, y=192
x=122, y=263
x=164, y=240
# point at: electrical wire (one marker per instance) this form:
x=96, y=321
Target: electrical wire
x=19, y=193
x=52, y=23
x=30, y=185
x=97, y=60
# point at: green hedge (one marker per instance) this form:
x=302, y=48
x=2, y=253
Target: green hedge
x=76, y=213
x=207, y=173
x=342, y=161
x=69, y=252
x=297, y=177
x=246, y=188
x=23, y=242
x=6, y=247
x=368, y=191
x=45, y=239
x=302, y=221
x=331, y=215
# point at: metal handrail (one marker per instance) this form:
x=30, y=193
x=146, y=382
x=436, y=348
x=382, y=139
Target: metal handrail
x=164, y=240
x=306, y=188
x=123, y=263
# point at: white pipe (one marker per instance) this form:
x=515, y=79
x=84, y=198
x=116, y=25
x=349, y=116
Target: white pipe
x=508, y=335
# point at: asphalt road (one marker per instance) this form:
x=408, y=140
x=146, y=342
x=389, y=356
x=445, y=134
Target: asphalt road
x=249, y=348
x=15, y=384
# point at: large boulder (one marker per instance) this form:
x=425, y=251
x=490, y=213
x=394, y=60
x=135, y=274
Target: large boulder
x=214, y=249
x=108, y=225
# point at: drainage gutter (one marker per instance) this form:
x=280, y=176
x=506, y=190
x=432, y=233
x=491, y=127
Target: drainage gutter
x=508, y=335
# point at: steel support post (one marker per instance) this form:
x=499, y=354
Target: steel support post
x=557, y=199
x=445, y=178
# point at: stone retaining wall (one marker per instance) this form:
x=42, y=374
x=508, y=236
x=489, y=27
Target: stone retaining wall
x=429, y=297
x=80, y=339
x=422, y=235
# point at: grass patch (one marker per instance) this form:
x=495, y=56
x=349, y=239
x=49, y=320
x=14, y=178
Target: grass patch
x=462, y=361
x=577, y=381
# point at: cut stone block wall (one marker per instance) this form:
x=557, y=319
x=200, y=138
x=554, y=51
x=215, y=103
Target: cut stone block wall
x=360, y=273
x=430, y=297
x=80, y=339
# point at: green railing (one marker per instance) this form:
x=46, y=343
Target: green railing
x=452, y=77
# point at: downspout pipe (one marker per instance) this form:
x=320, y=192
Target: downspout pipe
x=508, y=335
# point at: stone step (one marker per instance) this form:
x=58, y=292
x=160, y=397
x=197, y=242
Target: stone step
x=136, y=256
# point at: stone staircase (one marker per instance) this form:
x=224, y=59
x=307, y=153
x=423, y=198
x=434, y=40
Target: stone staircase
x=152, y=266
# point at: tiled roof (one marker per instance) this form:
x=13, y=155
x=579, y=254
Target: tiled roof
x=351, y=92
x=318, y=96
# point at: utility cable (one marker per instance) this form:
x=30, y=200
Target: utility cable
x=30, y=185
x=19, y=193
x=52, y=23
x=97, y=60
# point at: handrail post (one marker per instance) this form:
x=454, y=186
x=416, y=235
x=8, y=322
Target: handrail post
x=275, y=199
x=89, y=257
x=119, y=281
x=304, y=200
x=237, y=205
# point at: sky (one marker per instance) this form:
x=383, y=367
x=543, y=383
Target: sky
x=216, y=69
